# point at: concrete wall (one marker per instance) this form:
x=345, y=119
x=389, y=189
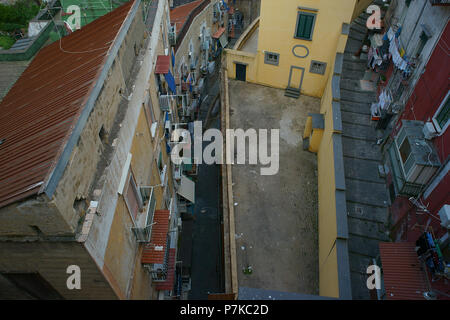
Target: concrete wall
x=50, y=260
x=249, y=8
x=204, y=18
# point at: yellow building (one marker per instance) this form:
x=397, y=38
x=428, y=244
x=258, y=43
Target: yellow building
x=293, y=44
x=298, y=46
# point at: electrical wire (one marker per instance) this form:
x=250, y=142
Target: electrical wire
x=60, y=37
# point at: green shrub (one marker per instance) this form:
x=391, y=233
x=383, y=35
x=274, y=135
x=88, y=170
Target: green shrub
x=16, y=16
x=6, y=42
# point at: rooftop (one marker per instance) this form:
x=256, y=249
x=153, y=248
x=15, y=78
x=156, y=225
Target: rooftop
x=276, y=216
x=180, y=14
x=39, y=113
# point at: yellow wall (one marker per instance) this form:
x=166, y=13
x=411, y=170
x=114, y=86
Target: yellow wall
x=328, y=255
x=276, y=34
x=233, y=56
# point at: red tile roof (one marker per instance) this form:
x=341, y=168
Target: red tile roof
x=162, y=65
x=169, y=282
x=218, y=33
x=179, y=15
x=158, y=238
x=403, y=277
x=38, y=114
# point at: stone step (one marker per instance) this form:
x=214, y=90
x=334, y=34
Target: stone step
x=367, y=229
x=291, y=92
x=359, y=27
x=353, y=130
x=362, y=169
x=358, y=96
x=353, y=45
x=351, y=84
x=365, y=212
x=357, y=191
x=363, y=246
x=360, y=149
x=355, y=107
x=352, y=117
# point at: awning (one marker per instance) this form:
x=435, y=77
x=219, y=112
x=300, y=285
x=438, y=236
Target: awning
x=403, y=277
x=187, y=189
x=162, y=65
x=155, y=250
x=218, y=33
x=223, y=41
x=171, y=82
x=169, y=282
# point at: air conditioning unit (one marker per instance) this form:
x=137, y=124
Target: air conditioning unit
x=444, y=213
x=418, y=157
x=429, y=131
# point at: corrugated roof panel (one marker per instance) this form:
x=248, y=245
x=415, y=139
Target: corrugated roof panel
x=162, y=65
x=180, y=14
x=39, y=112
x=403, y=276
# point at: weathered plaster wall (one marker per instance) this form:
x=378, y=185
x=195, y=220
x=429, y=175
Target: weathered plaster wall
x=50, y=260
x=204, y=18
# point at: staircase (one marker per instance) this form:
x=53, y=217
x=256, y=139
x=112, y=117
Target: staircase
x=292, y=92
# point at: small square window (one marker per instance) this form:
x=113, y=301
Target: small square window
x=441, y=119
x=318, y=67
x=271, y=58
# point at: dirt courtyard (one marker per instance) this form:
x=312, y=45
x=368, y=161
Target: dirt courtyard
x=276, y=216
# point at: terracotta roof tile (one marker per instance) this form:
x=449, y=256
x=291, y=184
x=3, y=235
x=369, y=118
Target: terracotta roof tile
x=179, y=15
x=158, y=238
x=169, y=282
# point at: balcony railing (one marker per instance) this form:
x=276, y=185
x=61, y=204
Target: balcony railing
x=440, y=2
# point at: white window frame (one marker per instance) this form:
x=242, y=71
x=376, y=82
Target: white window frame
x=436, y=124
x=131, y=182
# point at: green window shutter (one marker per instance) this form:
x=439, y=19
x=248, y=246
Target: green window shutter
x=444, y=114
x=305, y=26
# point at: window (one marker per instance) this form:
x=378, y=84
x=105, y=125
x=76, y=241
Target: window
x=148, y=108
x=305, y=25
x=442, y=116
x=317, y=67
x=133, y=197
x=422, y=42
x=271, y=58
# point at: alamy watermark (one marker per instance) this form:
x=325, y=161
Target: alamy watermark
x=374, y=21
x=236, y=147
x=374, y=279
x=74, y=280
